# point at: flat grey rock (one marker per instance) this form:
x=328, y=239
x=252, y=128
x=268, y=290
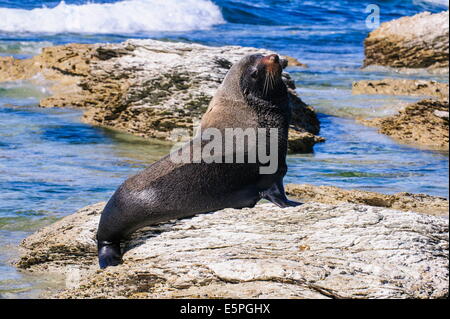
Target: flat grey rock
x=311, y=251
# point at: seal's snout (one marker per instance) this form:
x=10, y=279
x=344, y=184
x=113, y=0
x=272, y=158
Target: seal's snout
x=272, y=63
x=271, y=59
x=274, y=58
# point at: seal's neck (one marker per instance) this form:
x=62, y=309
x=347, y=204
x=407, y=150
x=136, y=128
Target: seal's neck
x=272, y=106
x=275, y=113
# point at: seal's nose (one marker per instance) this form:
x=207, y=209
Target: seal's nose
x=271, y=59
x=272, y=63
x=274, y=58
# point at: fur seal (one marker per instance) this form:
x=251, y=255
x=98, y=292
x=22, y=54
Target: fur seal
x=252, y=95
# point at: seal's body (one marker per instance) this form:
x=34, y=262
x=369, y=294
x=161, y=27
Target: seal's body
x=252, y=95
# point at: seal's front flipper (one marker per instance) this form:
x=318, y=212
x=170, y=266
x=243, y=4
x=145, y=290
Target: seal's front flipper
x=282, y=202
x=108, y=254
x=276, y=195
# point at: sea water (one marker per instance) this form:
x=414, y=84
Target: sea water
x=51, y=164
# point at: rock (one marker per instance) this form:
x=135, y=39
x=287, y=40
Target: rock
x=400, y=201
x=422, y=124
x=64, y=66
x=294, y=62
x=311, y=251
x=145, y=87
x=420, y=41
x=441, y=114
x=49, y=250
x=302, y=142
x=401, y=87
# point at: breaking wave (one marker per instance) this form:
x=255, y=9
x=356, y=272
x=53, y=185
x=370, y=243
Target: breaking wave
x=123, y=17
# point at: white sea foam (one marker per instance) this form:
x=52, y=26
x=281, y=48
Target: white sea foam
x=443, y=3
x=123, y=17
x=22, y=47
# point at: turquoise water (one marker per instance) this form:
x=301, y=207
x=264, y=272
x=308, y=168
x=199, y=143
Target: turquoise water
x=51, y=163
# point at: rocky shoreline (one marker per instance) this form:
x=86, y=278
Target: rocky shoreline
x=420, y=41
x=420, y=203
x=421, y=124
x=424, y=123
x=316, y=250
x=147, y=88
x=402, y=87
x=160, y=89
x=340, y=244
x=411, y=43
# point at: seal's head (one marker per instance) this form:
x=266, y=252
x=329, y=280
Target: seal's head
x=254, y=77
x=261, y=76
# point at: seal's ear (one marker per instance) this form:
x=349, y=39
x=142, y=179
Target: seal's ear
x=283, y=63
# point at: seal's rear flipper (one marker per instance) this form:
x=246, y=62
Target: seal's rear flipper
x=109, y=254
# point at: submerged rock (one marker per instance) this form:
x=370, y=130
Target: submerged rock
x=401, y=87
x=145, y=87
x=424, y=124
x=311, y=251
x=421, y=203
x=420, y=41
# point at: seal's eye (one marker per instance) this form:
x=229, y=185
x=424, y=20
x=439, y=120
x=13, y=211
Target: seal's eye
x=254, y=73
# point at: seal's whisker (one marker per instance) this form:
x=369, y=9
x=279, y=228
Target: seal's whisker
x=266, y=85
x=271, y=80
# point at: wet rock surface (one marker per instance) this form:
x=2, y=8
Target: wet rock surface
x=311, y=251
x=424, y=124
x=146, y=87
x=422, y=203
x=420, y=41
x=402, y=87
